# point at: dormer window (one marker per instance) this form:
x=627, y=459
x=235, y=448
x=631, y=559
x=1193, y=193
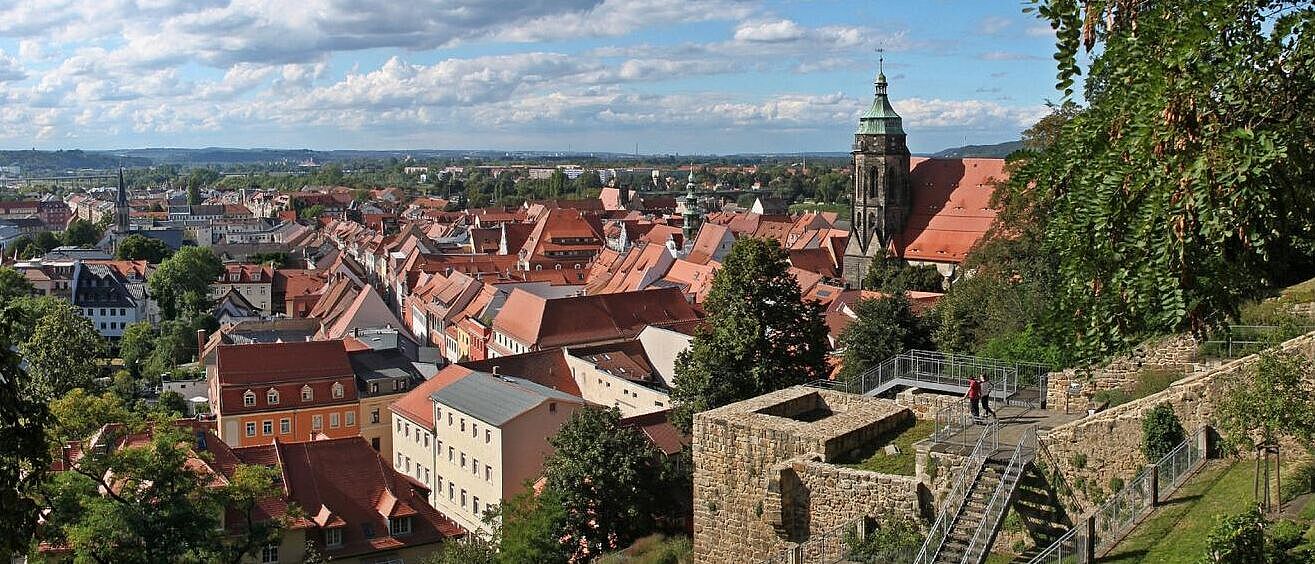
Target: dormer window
x=399, y=526
x=307, y=394
x=272, y=397
x=337, y=390
x=249, y=398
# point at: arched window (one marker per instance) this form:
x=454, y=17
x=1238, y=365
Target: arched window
x=337, y=390
x=558, y=267
x=873, y=180
x=272, y=396
x=249, y=398
x=307, y=394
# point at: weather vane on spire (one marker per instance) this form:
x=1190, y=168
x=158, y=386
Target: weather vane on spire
x=881, y=59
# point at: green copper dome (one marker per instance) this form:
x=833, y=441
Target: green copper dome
x=880, y=119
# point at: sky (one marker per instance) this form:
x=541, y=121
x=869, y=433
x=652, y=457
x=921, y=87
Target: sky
x=667, y=76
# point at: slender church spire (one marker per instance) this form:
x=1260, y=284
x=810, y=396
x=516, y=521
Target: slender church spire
x=121, y=206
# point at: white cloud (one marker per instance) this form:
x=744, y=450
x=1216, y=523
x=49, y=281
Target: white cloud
x=994, y=25
x=10, y=69
x=769, y=32
x=1007, y=56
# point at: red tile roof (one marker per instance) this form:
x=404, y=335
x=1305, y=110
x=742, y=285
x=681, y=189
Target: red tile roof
x=658, y=429
x=263, y=363
x=540, y=322
x=951, y=207
x=545, y=368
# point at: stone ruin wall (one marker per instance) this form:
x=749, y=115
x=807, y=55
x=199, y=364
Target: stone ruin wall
x=924, y=404
x=1177, y=352
x=1108, y=444
x=761, y=485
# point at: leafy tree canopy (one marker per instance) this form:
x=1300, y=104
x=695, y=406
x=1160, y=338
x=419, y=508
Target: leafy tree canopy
x=609, y=478
x=761, y=335
x=62, y=349
x=884, y=327
x=13, y=285
x=181, y=284
x=82, y=233
x=140, y=247
x=1183, y=187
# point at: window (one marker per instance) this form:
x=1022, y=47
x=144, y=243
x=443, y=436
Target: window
x=552, y=407
x=306, y=393
x=474, y=466
x=451, y=454
x=351, y=418
x=426, y=440
x=463, y=424
x=474, y=505
x=272, y=397
x=450, y=490
x=249, y=398
x=337, y=390
x=399, y=424
x=463, y=460
x=463, y=499
x=399, y=461
x=488, y=436
x=449, y=419
x=333, y=537
x=474, y=429
x=426, y=475
x=285, y=426
x=269, y=554
x=333, y=420
x=374, y=416
x=251, y=428
x=374, y=387
x=399, y=526
x=267, y=427
x=406, y=430
x=316, y=422
x=408, y=465
x=488, y=473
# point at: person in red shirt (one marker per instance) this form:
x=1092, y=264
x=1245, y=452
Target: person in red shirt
x=974, y=395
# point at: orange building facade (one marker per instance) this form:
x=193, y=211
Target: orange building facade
x=286, y=391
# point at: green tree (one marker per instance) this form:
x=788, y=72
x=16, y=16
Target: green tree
x=1261, y=405
x=277, y=260
x=172, y=404
x=13, y=285
x=761, y=334
x=1160, y=432
x=62, y=349
x=1182, y=189
x=82, y=233
x=181, y=284
x=311, y=213
x=610, y=480
x=532, y=528
x=884, y=327
x=892, y=274
x=79, y=413
x=136, y=344
x=45, y=242
x=24, y=451
x=174, y=343
x=143, y=504
x=140, y=247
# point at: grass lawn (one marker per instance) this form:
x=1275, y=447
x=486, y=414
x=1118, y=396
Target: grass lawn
x=1177, y=532
x=905, y=462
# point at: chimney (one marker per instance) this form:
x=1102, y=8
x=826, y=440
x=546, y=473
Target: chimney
x=200, y=342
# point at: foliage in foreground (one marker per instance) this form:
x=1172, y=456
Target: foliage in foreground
x=896, y=539
x=1183, y=188
x=1160, y=432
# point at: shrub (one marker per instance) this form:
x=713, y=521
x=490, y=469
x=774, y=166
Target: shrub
x=1300, y=482
x=1237, y=538
x=1116, y=484
x=1079, y=460
x=1160, y=432
x=1112, y=398
x=896, y=539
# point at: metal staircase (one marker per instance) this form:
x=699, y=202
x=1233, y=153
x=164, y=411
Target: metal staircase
x=974, y=510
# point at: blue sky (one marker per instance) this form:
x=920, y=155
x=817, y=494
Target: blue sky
x=673, y=76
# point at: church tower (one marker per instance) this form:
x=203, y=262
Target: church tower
x=880, y=198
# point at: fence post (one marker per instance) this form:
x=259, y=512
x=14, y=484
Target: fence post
x=1154, y=474
x=1203, y=441
x=1089, y=551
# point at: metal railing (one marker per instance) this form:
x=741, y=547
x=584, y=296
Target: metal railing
x=1177, y=466
x=933, y=367
x=1114, y=519
x=953, y=502
x=952, y=420
x=994, y=513
x=1070, y=548
x=1237, y=341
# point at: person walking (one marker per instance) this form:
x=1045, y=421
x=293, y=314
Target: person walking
x=986, y=388
x=974, y=396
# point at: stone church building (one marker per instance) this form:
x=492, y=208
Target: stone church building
x=926, y=211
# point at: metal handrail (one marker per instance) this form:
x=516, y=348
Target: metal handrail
x=1055, y=552
x=972, y=465
x=951, y=420
x=999, y=503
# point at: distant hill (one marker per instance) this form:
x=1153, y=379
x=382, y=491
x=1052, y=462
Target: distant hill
x=61, y=162
x=996, y=151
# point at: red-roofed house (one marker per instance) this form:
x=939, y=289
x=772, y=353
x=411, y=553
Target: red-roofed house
x=286, y=391
x=528, y=322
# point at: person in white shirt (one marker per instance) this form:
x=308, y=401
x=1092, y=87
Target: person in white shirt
x=987, y=387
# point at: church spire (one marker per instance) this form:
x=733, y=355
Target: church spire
x=121, y=206
x=880, y=118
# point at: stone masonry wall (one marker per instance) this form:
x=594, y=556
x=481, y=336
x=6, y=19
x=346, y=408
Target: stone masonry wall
x=924, y=404
x=1095, y=449
x=1176, y=352
x=764, y=475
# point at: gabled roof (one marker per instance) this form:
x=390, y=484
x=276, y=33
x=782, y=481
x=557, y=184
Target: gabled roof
x=497, y=399
x=576, y=320
x=951, y=207
x=266, y=363
x=417, y=406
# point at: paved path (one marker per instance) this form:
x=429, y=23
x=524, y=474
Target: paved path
x=1014, y=422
